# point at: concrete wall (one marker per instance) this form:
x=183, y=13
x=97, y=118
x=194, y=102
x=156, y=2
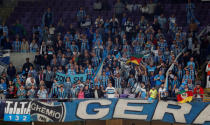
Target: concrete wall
x=18, y=59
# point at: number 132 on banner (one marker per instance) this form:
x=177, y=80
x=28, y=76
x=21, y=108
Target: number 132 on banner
x=17, y=117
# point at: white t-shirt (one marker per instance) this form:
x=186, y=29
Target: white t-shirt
x=110, y=92
x=51, y=30
x=162, y=92
x=28, y=81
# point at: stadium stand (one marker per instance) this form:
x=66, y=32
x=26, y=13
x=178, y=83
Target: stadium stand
x=81, y=58
x=71, y=38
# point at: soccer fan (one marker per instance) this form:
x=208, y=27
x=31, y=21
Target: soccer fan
x=24, y=46
x=48, y=77
x=159, y=78
x=110, y=91
x=143, y=92
x=152, y=94
x=68, y=85
x=162, y=93
x=88, y=92
x=55, y=87
x=118, y=82
x=74, y=91
x=21, y=93
x=174, y=85
x=31, y=93
x=16, y=45
x=18, y=83
x=100, y=51
x=104, y=79
x=3, y=89
x=81, y=94
x=62, y=93
x=81, y=14
x=42, y=92
x=198, y=93
x=47, y=18
x=131, y=80
x=11, y=91
x=26, y=66
x=208, y=75
x=98, y=92
x=33, y=46
x=30, y=84
x=11, y=71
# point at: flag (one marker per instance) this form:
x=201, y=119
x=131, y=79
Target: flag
x=146, y=55
x=99, y=70
x=5, y=57
x=136, y=59
x=118, y=55
x=184, y=96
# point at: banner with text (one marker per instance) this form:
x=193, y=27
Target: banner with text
x=104, y=109
x=17, y=111
x=74, y=78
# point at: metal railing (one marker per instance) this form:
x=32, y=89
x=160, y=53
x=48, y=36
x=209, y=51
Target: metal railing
x=71, y=99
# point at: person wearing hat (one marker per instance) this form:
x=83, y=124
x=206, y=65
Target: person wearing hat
x=198, y=92
x=208, y=74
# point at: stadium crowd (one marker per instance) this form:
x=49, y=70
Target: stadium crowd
x=81, y=50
